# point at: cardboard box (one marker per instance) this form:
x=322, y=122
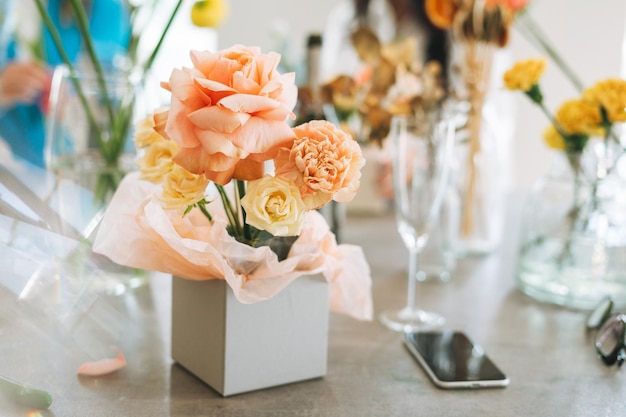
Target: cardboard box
x=235, y=347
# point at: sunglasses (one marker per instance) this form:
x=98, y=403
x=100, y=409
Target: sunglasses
x=610, y=338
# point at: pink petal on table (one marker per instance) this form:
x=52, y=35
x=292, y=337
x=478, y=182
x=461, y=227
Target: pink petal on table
x=103, y=366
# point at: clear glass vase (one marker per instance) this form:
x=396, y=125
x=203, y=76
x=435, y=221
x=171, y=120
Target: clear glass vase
x=573, y=243
x=475, y=205
x=89, y=149
x=89, y=128
x=482, y=167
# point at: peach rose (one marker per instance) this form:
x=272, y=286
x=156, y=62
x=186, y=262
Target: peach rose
x=229, y=112
x=324, y=162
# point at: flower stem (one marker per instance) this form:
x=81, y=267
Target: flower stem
x=241, y=192
x=155, y=51
x=552, y=120
x=83, y=27
x=233, y=217
x=533, y=33
x=56, y=38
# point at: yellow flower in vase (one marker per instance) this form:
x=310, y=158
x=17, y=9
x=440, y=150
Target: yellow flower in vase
x=609, y=94
x=573, y=122
x=580, y=117
x=553, y=139
x=524, y=74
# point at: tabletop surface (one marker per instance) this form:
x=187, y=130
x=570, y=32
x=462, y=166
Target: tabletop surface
x=544, y=349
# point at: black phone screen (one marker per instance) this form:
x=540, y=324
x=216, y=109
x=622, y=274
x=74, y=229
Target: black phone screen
x=452, y=357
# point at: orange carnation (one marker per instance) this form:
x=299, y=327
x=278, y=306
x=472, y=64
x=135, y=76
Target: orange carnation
x=229, y=112
x=324, y=162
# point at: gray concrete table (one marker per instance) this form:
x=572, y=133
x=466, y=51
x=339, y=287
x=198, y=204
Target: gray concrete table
x=544, y=350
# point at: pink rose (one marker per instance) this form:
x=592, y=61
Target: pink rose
x=324, y=162
x=229, y=112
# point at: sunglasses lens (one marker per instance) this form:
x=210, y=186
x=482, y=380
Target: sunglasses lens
x=610, y=337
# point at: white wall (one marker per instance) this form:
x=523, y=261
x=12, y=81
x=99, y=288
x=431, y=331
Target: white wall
x=589, y=35
x=252, y=22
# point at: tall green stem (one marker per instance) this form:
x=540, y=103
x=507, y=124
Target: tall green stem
x=231, y=213
x=83, y=27
x=152, y=57
x=534, y=34
x=241, y=192
x=56, y=38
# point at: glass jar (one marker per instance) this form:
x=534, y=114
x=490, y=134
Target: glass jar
x=89, y=150
x=89, y=128
x=573, y=243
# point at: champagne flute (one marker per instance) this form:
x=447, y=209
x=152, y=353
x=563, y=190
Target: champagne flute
x=420, y=157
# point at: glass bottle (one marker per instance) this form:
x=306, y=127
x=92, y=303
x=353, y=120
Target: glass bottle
x=311, y=107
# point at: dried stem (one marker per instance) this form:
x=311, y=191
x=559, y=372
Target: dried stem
x=478, y=60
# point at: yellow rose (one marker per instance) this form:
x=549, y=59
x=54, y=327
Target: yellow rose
x=610, y=94
x=156, y=161
x=524, y=74
x=554, y=139
x=182, y=188
x=579, y=117
x=274, y=204
x=145, y=134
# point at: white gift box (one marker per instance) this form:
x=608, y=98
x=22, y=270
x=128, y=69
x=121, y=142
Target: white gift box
x=235, y=347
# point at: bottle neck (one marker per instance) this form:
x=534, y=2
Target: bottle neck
x=313, y=78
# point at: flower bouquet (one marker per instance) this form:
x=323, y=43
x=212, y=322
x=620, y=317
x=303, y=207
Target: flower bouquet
x=573, y=245
x=225, y=201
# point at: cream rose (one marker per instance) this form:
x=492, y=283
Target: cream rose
x=156, y=161
x=182, y=188
x=274, y=204
x=324, y=162
x=229, y=112
x=145, y=135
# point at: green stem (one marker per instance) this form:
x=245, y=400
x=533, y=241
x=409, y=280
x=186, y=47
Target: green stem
x=202, y=207
x=56, y=38
x=241, y=191
x=556, y=124
x=233, y=218
x=533, y=32
x=91, y=51
x=133, y=41
x=148, y=63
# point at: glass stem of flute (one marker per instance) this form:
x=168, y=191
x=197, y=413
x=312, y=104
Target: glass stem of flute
x=414, y=255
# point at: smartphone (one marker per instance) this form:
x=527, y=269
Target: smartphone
x=452, y=360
